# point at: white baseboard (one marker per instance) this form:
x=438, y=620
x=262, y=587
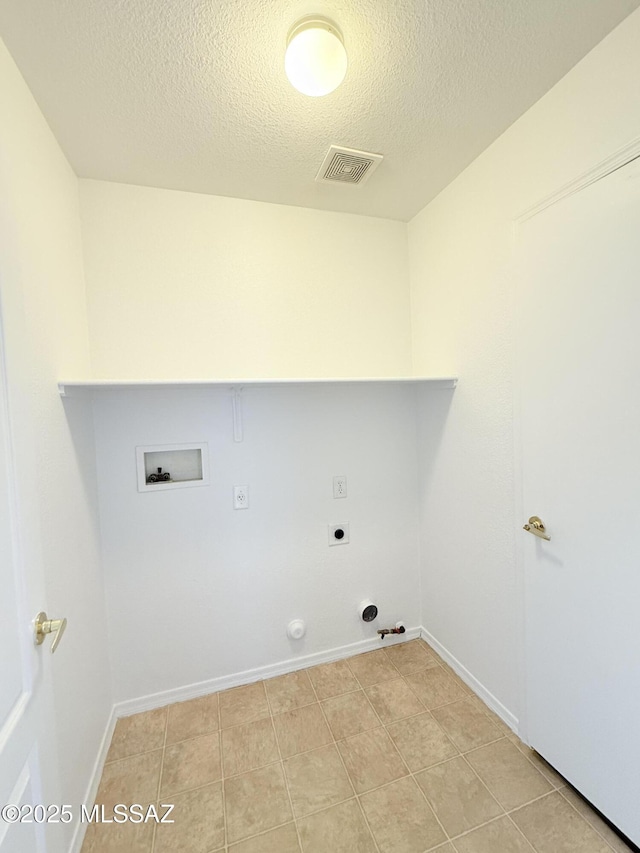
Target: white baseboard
x=215, y=685
x=478, y=688
x=94, y=781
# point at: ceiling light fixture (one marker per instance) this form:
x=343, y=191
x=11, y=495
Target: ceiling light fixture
x=315, y=61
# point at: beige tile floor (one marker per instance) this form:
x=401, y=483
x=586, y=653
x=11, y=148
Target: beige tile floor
x=387, y=752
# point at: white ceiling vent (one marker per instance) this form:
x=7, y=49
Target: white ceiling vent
x=348, y=166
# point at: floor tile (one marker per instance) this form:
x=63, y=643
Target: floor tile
x=138, y=733
x=130, y=780
x=281, y=840
x=594, y=820
x=462, y=684
x=117, y=838
x=553, y=826
x=372, y=667
x=301, y=730
x=421, y=741
x=457, y=796
x=371, y=760
x=510, y=777
x=289, y=691
x=192, y=718
x=317, y=780
x=466, y=724
x=499, y=836
x=393, y=700
x=428, y=647
x=435, y=687
x=393, y=684
x=410, y=657
x=248, y=747
x=350, y=714
x=340, y=829
x=333, y=679
x=191, y=764
x=538, y=761
x=495, y=719
x=255, y=802
x=199, y=823
x=243, y=705
x=400, y=819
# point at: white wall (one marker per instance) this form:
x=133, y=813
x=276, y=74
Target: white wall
x=460, y=250
x=44, y=321
x=197, y=590
x=183, y=285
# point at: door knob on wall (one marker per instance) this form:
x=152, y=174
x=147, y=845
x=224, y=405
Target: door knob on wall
x=536, y=527
x=44, y=626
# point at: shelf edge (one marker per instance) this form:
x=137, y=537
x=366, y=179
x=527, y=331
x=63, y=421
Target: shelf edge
x=67, y=387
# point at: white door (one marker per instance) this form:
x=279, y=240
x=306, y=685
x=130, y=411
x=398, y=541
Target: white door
x=23, y=694
x=579, y=372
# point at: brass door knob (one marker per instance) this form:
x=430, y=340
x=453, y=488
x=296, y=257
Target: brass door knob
x=44, y=626
x=536, y=526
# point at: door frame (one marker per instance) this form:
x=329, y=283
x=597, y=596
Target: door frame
x=601, y=169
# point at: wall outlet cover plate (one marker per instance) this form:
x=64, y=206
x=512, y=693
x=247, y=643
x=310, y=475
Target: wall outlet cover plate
x=241, y=497
x=339, y=534
x=340, y=486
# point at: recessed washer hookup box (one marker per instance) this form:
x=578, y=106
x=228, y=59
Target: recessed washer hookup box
x=172, y=466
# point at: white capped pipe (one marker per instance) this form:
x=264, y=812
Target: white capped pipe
x=296, y=629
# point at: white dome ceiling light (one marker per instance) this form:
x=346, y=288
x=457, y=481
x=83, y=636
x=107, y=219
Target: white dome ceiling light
x=315, y=61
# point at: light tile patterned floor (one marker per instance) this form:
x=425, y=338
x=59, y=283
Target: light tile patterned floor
x=387, y=752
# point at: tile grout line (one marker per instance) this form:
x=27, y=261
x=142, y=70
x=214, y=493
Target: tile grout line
x=222, y=780
x=337, y=749
x=482, y=825
x=530, y=802
x=284, y=772
x=257, y=835
x=513, y=823
x=505, y=814
x=164, y=746
x=482, y=782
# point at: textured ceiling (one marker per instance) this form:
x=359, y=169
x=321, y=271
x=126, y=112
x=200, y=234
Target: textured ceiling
x=192, y=95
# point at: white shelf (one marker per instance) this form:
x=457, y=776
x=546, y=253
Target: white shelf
x=69, y=388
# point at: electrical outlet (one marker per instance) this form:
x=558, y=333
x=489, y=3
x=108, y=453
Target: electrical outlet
x=241, y=497
x=339, y=487
x=339, y=534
